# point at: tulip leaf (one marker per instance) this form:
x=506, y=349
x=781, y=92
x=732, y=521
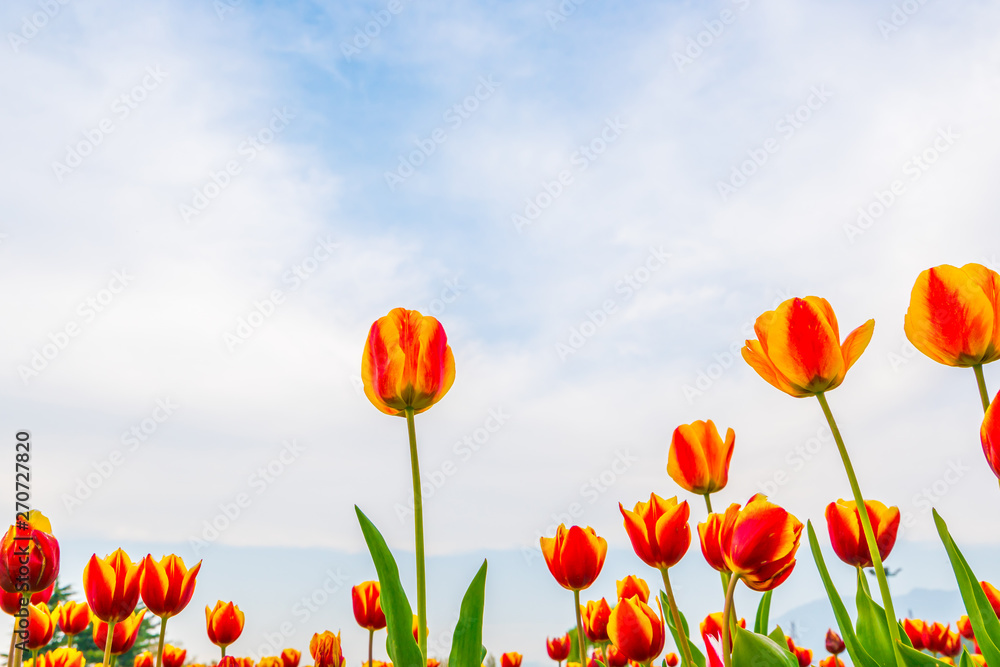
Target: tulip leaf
x=984, y=620
x=873, y=628
x=858, y=654
x=467, y=644
x=753, y=650
x=400, y=645
x=966, y=659
x=696, y=654
x=763, y=612
x=914, y=658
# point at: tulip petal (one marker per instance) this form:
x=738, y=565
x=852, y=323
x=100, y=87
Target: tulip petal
x=856, y=343
x=803, y=344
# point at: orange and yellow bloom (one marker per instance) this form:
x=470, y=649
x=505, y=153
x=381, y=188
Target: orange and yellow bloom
x=367, y=605
x=61, y=657
x=595, y=617
x=72, y=617
x=166, y=587
x=290, y=657
x=325, y=649
x=407, y=363
x=224, y=623
x=125, y=633
x=831, y=661
x=34, y=549
x=111, y=585
x=989, y=434
x=41, y=626
x=144, y=659
x=558, y=647
x=954, y=315
x=658, y=530
x=636, y=630
x=511, y=659
x=844, y=523
x=574, y=556
x=632, y=586
x=798, y=348
x=173, y=656
x=699, y=459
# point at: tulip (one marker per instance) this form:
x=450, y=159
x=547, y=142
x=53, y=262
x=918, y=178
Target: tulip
x=269, y=661
x=803, y=656
x=834, y=643
x=847, y=535
x=224, y=624
x=615, y=658
x=699, y=460
x=368, y=611
x=711, y=634
x=672, y=660
x=658, y=530
x=245, y=662
x=431, y=662
x=123, y=635
x=831, y=661
x=636, y=630
x=61, y=657
x=993, y=595
x=290, y=657
x=917, y=633
x=10, y=603
x=558, y=647
x=989, y=434
x=112, y=586
x=144, y=659
x=510, y=660
x=631, y=586
x=166, y=589
x=595, y=620
x=29, y=543
x=416, y=624
x=964, y=626
x=174, y=657
x=72, y=617
x=230, y=661
x=325, y=649
x=41, y=626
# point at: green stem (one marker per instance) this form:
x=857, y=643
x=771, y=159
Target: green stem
x=981, y=381
x=69, y=641
x=10, y=653
x=108, y=642
x=34, y=658
x=727, y=612
x=163, y=634
x=371, y=642
x=866, y=525
x=418, y=529
x=223, y=651
x=581, y=639
x=685, y=649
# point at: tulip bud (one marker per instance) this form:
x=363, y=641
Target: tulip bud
x=698, y=459
x=834, y=644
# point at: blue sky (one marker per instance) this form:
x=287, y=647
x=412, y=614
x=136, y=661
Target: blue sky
x=198, y=229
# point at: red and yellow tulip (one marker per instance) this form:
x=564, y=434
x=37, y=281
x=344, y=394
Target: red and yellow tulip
x=595, y=620
x=41, y=626
x=72, y=617
x=636, y=630
x=144, y=659
x=111, y=585
x=166, y=587
x=699, y=459
x=60, y=657
x=10, y=603
x=847, y=536
x=558, y=647
x=325, y=649
x=173, y=656
x=631, y=586
x=511, y=659
x=290, y=657
x=989, y=434
x=125, y=633
x=658, y=530
x=831, y=661
x=34, y=549
x=224, y=624
x=574, y=556
x=367, y=605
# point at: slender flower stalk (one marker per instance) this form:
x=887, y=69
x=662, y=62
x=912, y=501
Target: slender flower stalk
x=727, y=613
x=981, y=381
x=685, y=648
x=110, y=640
x=866, y=525
x=418, y=529
x=581, y=638
x=371, y=643
x=163, y=635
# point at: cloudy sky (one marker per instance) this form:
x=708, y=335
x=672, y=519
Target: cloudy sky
x=207, y=203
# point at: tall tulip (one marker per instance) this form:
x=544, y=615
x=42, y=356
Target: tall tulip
x=954, y=317
x=406, y=368
x=166, y=588
x=29, y=563
x=631, y=586
x=61, y=657
x=41, y=626
x=144, y=659
x=636, y=630
x=558, y=648
x=699, y=459
x=123, y=634
x=511, y=659
x=595, y=620
x=325, y=649
x=111, y=585
x=848, y=538
x=368, y=610
x=72, y=617
x=224, y=624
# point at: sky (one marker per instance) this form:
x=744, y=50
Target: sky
x=205, y=205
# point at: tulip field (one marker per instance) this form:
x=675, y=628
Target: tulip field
x=407, y=367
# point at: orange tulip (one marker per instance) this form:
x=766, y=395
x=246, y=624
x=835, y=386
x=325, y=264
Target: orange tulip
x=636, y=630
x=325, y=649
x=989, y=434
x=574, y=556
x=29, y=544
x=432, y=662
x=61, y=657
x=804, y=656
x=125, y=633
x=993, y=595
x=954, y=315
x=798, y=348
x=964, y=626
x=917, y=633
x=844, y=522
x=710, y=538
x=245, y=662
x=831, y=661
x=510, y=660
x=367, y=605
x=672, y=660
x=224, y=623
x=658, y=530
x=111, y=585
x=558, y=647
x=41, y=626
x=173, y=656
x=711, y=634
x=10, y=603
x=269, y=661
x=290, y=657
x=595, y=620
x=699, y=460
x=166, y=587
x=631, y=586
x=407, y=362
x=615, y=658
x=72, y=617
x=757, y=543
x=834, y=643
x=144, y=659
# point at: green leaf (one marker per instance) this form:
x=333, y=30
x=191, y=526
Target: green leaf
x=754, y=650
x=914, y=658
x=400, y=645
x=778, y=636
x=966, y=659
x=984, y=621
x=763, y=611
x=872, y=627
x=467, y=644
x=858, y=654
x=696, y=655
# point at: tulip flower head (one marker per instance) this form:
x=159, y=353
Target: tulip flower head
x=614, y=657
x=847, y=536
x=595, y=617
x=61, y=657
x=367, y=605
x=290, y=657
x=511, y=660
x=672, y=660
x=831, y=661
x=166, y=587
x=325, y=649
x=144, y=659
x=636, y=630
x=558, y=647
x=10, y=603
x=964, y=626
x=798, y=348
x=174, y=657
x=834, y=643
x=699, y=460
x=72, y=617
x=41, y=626
x=125, y=633
x=224, y=623
x=802, y=655
x=658, y=530
x=29, y=555
x=407, y=363
x=574, y=556
x=111, y=585
x=711, y=634
x=631, y=586
x=757, y=543
x=954, y=315
x=989, y=434
x=269, y=661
